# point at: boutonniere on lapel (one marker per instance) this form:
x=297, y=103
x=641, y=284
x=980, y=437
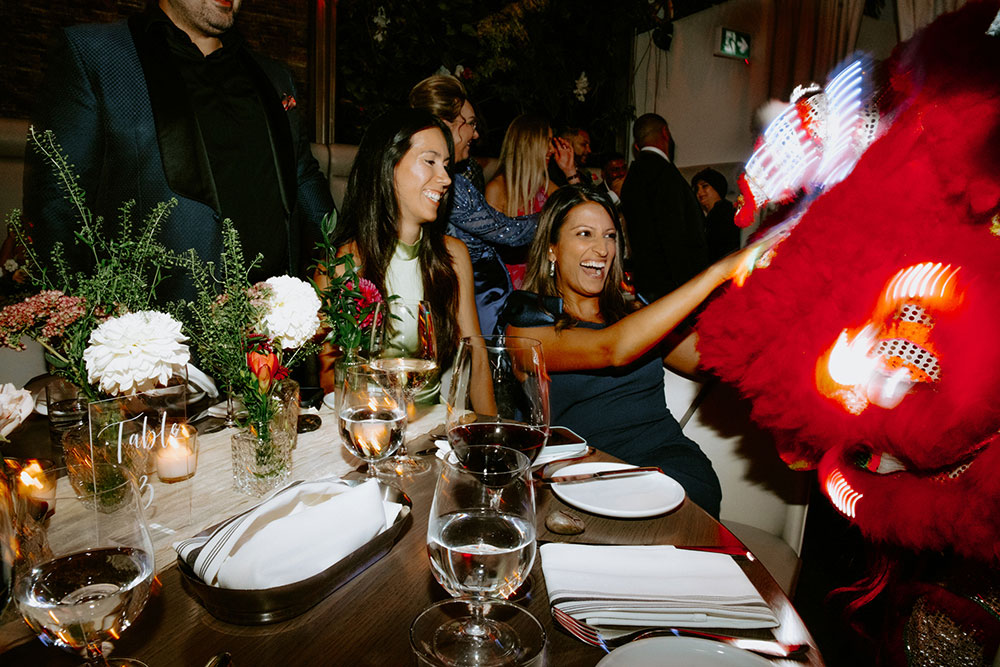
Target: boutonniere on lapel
x=288, y=101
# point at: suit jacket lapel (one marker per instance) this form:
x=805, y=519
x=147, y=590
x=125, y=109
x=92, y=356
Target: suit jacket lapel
x=279, y=130
x=182, y=150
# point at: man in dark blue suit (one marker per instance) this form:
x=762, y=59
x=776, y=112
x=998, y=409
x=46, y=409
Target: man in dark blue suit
x=665, y=223
x=173, y=104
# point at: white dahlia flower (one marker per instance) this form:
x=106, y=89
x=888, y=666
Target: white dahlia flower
x=135, y=352
x=291, y=313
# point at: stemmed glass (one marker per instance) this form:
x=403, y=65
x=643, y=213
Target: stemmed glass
x=480, y=552
x=499, y=394
x=407, y=352
x=86, y=560
x=372, y=415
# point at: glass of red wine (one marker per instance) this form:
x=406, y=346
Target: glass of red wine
x=499, y=394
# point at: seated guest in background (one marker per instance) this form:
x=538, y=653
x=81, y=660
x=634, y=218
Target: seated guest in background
x=614, y=169
x=390, y=224
x=173, y=104
x=665, y=223
x=606, y=357
x=579, y=139
x=522, y=184
x=470, y=218
x=444, y=96
x=613, y=172
x=721, y=233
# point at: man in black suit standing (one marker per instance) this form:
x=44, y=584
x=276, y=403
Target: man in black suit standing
x=173, y=104
x=665, y=223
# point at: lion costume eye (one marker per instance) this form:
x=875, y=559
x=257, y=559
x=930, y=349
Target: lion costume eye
x=894, y=351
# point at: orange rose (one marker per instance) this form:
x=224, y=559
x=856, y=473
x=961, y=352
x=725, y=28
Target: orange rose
x=264, y=364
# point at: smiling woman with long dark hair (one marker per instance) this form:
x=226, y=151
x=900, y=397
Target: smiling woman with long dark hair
x=605, y=355
x=390, y=223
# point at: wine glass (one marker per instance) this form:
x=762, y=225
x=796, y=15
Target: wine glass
x=408, y=354
x=480, y=551
x=371, y=414
x=499, y=394
x=85, y=564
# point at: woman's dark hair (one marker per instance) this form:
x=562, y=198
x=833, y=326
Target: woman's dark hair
x=611, y=301
x=371, y=210
x=441, y=94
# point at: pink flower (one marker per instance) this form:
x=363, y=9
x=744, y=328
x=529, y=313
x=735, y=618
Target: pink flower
x=369, y=297
x=51, y=309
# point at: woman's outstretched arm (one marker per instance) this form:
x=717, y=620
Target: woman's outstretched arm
x=580, y=348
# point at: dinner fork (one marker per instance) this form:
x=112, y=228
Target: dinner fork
x=591, y=635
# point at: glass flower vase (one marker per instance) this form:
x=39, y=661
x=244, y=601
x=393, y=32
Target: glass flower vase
x=350, y=358
x=286, y=393
x=262, y=452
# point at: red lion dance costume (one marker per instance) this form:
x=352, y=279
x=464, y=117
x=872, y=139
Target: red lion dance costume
x=870, y=345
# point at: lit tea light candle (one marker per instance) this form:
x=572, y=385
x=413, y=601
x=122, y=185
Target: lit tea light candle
x=177, y=459
x=373, y=437
x=34, y=483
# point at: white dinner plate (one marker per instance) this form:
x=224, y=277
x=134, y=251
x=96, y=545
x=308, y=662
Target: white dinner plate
x=628, y=497
x=680, y=652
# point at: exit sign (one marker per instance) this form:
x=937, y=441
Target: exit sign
x=732, y=44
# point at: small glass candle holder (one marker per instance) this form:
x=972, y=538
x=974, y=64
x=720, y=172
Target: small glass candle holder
x=176, y=453
x=27, y=501
x=31, y=481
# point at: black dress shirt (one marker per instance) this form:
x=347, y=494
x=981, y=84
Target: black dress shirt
x=235, y=131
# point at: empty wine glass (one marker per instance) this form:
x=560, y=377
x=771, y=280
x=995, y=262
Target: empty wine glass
x=480, y=550
x=407, y=352
x=85, y=563
x=371, y=414
x=499, y=394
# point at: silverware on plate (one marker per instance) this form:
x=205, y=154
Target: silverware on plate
x=589, y=634
x=568, y=479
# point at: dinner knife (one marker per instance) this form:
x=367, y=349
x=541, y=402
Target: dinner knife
x=569, y=479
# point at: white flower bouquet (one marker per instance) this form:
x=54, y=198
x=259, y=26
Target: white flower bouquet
x=249, y=336
x=96, y=325
x=135, y=352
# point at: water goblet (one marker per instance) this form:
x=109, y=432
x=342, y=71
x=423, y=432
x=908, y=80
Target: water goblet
x=499, y=394
x=407, y=352
x=372, y=415
x=86, y=568
x=480, y=551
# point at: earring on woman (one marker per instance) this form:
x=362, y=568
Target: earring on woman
x=552, y=268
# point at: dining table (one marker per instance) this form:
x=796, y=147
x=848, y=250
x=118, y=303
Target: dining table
x=367, y=620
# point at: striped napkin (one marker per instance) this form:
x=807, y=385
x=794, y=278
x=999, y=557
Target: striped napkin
x=651, y=586
x=295, y=534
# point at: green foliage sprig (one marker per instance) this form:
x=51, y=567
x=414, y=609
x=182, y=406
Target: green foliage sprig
x=218, y=319
x=221, y=323
x=348, y=301
x=126, y=269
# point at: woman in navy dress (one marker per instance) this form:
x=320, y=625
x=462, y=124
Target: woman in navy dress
x=604, y=354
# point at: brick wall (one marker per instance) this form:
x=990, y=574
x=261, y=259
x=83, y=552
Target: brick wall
x=276, y=28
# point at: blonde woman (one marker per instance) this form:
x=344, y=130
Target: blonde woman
x=522, y=183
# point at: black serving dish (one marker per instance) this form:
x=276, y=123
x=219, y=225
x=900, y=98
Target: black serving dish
x=271, y=605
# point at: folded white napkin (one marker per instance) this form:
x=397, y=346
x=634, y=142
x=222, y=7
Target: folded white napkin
x=651, y=586
x=296, y=533
x=221, y=409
